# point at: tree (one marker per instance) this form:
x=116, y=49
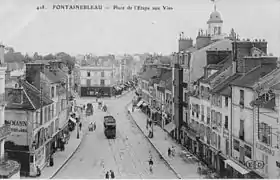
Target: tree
x=27, y=59
x=36, y=56
x=49, y=57
x=9, y=49
x=67, y=60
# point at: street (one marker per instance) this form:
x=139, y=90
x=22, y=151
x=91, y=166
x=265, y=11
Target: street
x=127, y=155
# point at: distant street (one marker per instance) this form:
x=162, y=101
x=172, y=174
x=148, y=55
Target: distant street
x=127, y=155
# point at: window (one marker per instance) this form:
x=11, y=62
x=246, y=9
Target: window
x=241, y=100
x=52, y=110
x=265, y=160
x=88, y=82
x=208, y=115
x=226, y=101
x=219, y=142
x=226, y=122
x=45, y=115
x=186, y=97
x=213, y=118
x=265, y=133
x=202, y=113
x=248, y=151
x=236, y=145
x=227, y=146
x=102, y=82
x=52, y=92
x=102, y=73
x=241, y=130
x=88, y=74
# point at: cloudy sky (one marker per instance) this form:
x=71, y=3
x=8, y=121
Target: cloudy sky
x=130, y=31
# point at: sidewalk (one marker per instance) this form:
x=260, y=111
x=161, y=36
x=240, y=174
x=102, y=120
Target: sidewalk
x=183, y=167
x=62, y=157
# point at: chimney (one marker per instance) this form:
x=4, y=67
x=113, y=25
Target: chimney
x=214, y=57
x=202, y=40
x=185, y=43
x=2, y=52
x=242, y=56
x=33, y=73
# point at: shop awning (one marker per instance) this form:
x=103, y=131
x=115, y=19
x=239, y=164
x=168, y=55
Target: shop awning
x=140, y=103
x=170, y=127
x=72, y=119
x=236, y=166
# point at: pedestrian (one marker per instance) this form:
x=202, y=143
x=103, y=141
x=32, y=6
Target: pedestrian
x=173, y=151
x=94, y=126
x=80, y=125
x=169, y=151
x=51, y=160
x=38, y=171
x=112, y=174
x=107, y=175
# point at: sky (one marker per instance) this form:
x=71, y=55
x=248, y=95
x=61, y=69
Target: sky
x=106, y=31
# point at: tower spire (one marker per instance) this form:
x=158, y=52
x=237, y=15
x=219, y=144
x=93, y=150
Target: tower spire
x=214, y=3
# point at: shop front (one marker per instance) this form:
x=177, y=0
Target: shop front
x=94, y=91
x=221, y=163
x=193, y=145
x=234, y=170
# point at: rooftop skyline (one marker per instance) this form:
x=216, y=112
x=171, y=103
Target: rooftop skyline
x=123, y=31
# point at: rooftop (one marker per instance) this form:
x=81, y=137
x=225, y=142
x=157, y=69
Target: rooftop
x=249, y=79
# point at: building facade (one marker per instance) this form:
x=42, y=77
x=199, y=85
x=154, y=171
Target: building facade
x=32, y=126
x=97, y=79
x=8, y=168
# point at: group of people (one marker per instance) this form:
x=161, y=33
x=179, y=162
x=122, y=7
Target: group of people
x=92, y=126
x=110, y=174
x=149, y=128
x=171, y=151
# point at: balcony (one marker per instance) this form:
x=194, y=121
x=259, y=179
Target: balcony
x=5, y=131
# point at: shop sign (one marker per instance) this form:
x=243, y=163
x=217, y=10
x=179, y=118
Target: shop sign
x=265, y=149
x=17, y=125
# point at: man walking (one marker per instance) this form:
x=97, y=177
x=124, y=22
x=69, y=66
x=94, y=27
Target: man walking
x=112, y=174
x=80, y=125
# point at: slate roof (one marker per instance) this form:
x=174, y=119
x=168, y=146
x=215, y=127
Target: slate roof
x=169, y=84
x=226, y=63
x=223, y=88
x=31, y=98
x=165, y=76
x=52, y=76
x=248, y=80
x=147, y=75
x=276, y=86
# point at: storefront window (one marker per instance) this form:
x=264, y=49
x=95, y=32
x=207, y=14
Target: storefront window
x=248, y=151
x=236, y=145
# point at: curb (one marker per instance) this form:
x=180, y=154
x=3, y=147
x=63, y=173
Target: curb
x=161, y=156
x=67, y=159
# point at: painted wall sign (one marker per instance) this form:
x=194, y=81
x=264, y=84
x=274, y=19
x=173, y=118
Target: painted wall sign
x=265, y=149
x=17, y=125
